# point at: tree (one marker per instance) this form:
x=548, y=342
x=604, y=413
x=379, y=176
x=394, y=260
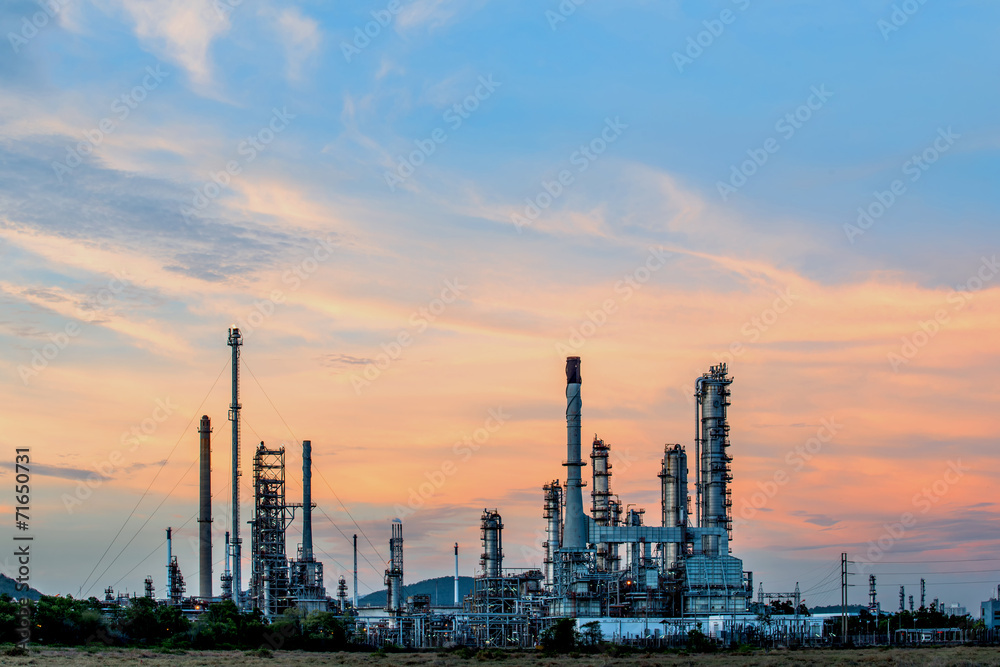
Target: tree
x=561, y=637
x=782, y=607
x=699, y=642
x=592, y=635
x=63, y=620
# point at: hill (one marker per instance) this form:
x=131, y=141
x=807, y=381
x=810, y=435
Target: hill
x=441, y=590
x=9, y=586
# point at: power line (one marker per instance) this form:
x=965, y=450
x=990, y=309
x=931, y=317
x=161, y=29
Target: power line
x=150, y=485
x=894, y=574
x=360, y=529
x=335, y=561
x=921, y=562
x=148, y=519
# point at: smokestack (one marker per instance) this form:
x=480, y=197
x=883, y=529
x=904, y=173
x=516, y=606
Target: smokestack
x=205, y=517
x=307, y=526
x=170, y=570
x=355, y=570
x=575, y=530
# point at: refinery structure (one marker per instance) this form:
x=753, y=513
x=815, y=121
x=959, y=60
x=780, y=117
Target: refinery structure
x=636, y=577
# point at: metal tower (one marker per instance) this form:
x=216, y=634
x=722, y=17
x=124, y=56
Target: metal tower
x=235, y=342
x=269, y=565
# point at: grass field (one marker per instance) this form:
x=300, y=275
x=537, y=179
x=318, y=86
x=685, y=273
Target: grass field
x=960, y=656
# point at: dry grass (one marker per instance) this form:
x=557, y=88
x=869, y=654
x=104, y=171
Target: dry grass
x=937, y=657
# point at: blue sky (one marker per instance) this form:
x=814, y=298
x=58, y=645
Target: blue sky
x=329, y=129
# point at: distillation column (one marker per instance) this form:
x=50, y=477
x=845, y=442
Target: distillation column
x=601, y=495
x=712, y=399
x=394, y=575
x=492, y=529
x=553, y=532
x=205, y=511
x=673, y=501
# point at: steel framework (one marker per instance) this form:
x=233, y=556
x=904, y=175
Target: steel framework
x=272, y=515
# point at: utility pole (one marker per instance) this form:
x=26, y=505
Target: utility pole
x=843, y=597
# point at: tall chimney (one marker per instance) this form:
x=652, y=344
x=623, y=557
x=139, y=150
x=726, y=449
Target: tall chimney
x=575, y=530
x=170, y=570
x=307, y=526
x=205, y=514
x=456, y=575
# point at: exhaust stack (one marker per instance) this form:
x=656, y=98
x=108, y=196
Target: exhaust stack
x=205, y=513
x=307, y=527
x=456, y=575
x=170, y=560
x=575, y=531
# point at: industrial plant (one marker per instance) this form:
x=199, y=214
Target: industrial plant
x=633, y=577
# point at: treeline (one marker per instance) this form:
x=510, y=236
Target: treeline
x=69, y=622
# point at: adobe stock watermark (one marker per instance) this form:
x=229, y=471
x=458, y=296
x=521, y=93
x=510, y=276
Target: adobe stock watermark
x=454, y=117
x=752, y=330
x=796, y=459
x=714, y=28
x=959, y=298
x=130, y=441
x=786, y=127
x=581, y=158
x=86, y=312
x=923, y=501
x=914, y=167
x=463, y=450
x=594, y=319
x=563, y=11
x=900, y=16
x=48, y=10
x=621, y=459
x=419, y=321
x=224, y=8
x=294, y=277
x=248, y=149
x=363, y=35
x=121, y=108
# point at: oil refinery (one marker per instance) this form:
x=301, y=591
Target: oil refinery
x=636, y=579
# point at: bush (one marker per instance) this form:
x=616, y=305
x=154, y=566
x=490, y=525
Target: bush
x=560, y=637
x=491, y=654
x=699, y=642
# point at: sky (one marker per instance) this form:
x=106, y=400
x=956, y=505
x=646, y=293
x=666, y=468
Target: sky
x=416, y=209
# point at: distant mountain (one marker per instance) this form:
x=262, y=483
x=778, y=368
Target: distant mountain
x=9, y=586
x=441, y=590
